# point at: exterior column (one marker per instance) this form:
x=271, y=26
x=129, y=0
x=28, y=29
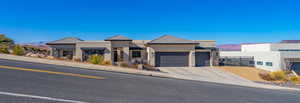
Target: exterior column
x=126, y=54
x=74, y=54
x=108, y=54
x=60, y=54
x=211, y=59
x=143, y=55
x=192, y=58
x=51, y=51
x=78, y=53
x=55, y=53
x=214, y=58
x=151, y=56
x=119, y=56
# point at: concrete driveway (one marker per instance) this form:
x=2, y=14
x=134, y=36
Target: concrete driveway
x=209, y=74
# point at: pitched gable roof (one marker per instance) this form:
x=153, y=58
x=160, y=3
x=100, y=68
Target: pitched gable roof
x=118, y=38
x=168, y=39
x=68, y=40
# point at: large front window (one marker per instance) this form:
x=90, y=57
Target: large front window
x=269, y=64
x=136, y=54
x=259, y=63
x=67, y=53
x=88, y=52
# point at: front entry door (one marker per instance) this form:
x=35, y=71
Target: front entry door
x=115, y=56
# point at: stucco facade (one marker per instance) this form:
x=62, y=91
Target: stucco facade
x=122, y=49
x=93, y=44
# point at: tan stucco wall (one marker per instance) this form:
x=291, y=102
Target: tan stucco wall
x=171, y=48
x=125, y=46
x=55, y=53
x=120, y=43
x=206, y=43
x=192, y=58
x=151, y=56
x=107, y=52
x=148, y=54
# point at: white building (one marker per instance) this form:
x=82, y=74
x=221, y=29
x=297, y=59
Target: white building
x=269, y=56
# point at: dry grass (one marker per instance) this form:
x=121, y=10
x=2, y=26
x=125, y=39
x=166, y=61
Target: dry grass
x=250, y=73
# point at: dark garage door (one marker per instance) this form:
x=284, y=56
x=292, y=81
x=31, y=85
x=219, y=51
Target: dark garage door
x=202, y=59
x=296, y=67
x=171, y=59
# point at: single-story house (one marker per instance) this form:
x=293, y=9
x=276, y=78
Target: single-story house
x=269, y=56
x=165, y=51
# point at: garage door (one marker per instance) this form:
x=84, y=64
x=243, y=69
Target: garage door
x=202, y=59
x=296, y=67
x=171, y=59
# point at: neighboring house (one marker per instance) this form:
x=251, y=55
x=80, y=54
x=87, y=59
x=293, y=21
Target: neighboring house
x=165, y=51
x=269, y=56
x=63, y=48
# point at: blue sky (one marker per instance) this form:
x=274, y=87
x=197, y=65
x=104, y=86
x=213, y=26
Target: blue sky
x=226, y=21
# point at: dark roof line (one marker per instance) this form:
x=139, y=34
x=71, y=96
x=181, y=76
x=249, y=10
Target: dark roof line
x=118, y=38
x=168, y=39
x=66, y=40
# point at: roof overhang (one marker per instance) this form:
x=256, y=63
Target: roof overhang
x=200, y=48
x=116, y=40
x=93, y=48
x=60, y=43
x=136, y=48
x=172, y=43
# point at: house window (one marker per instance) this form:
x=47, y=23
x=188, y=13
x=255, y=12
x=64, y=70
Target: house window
x=136, y=54
x=68, y=54
x=259, y=63
x=269, y=64
x=251, y=62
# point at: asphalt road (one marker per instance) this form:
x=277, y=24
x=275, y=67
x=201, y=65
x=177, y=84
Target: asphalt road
x=21, y=86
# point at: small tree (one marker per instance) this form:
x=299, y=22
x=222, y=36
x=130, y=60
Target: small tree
x=5, y=41
x=18, y=50
x=4, y=49
x=96, y=59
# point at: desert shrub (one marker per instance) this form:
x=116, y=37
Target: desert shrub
x=134, y=66
x=77, y=60
x=61, y=58
x=5, y=40
x=295, y=79
x=265, y=76
x=124, y=64
x=149, y=67
x=4, y=50
x=18, y=50
x=279, y=75
x=96, y=59
x=128, y=65
x=106, y=63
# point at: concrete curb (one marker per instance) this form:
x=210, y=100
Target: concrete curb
x=85, y=66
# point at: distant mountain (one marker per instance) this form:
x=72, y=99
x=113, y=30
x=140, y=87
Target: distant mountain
x=232, y=47
x=35, y=43
x=229, y=47
x=41, y=44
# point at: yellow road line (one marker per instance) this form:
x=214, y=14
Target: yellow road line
x=51, y=72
